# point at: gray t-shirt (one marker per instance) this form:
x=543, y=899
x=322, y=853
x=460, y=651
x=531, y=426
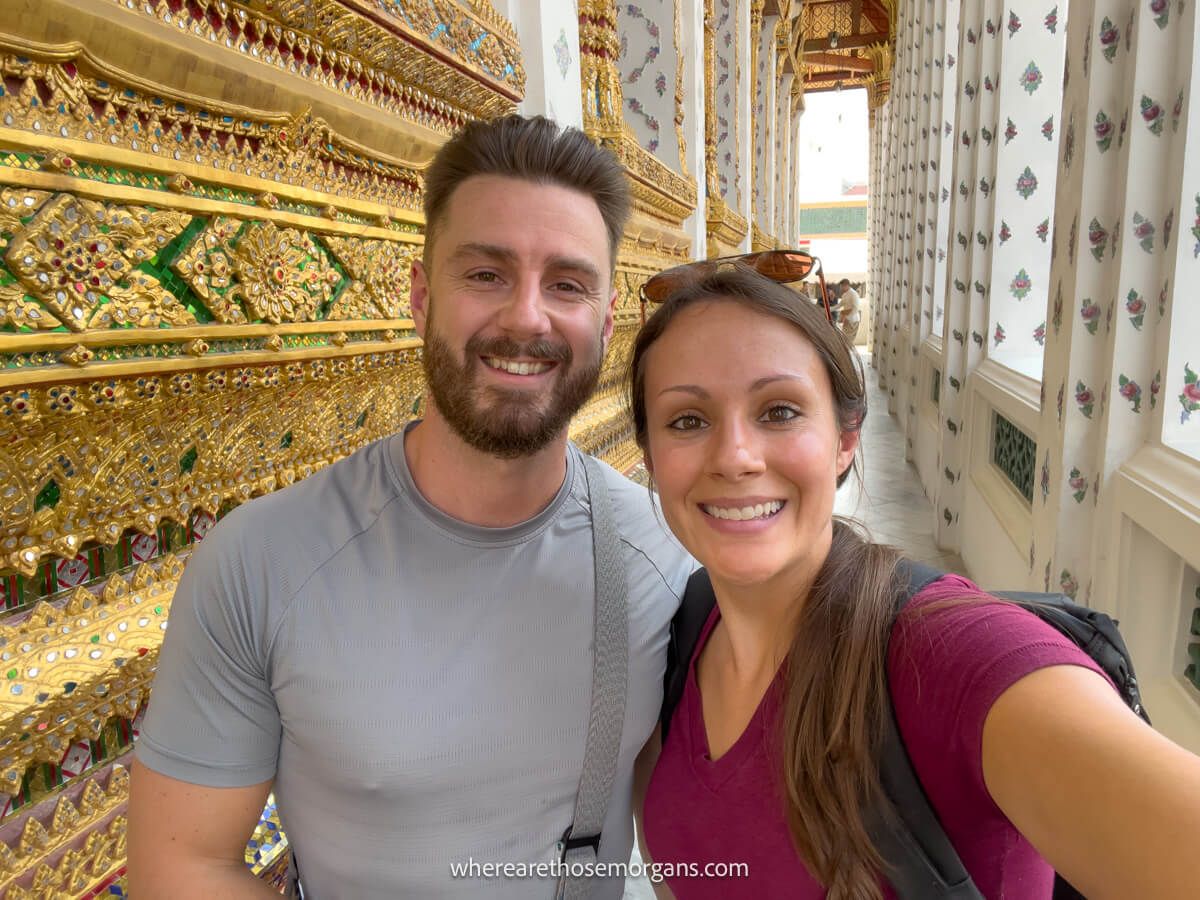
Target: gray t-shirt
x=417, y=687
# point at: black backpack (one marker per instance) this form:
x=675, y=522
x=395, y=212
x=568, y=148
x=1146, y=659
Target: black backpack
x=922, y=863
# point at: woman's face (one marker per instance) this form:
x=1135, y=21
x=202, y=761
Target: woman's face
x=743, y=442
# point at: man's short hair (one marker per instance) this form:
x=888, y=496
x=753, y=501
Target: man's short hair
x=534, y=149
x=845, y=282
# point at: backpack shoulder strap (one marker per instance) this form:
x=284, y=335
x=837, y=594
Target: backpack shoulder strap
x=921, y=862
x=698, y=601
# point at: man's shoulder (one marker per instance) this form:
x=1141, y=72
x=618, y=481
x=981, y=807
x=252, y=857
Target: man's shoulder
x=643, y=529
x=300, y=526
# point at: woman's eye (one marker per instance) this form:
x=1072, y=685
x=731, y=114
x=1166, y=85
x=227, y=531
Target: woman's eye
x=781, y=413
x=686, y=423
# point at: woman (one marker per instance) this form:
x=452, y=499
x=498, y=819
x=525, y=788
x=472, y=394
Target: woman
x=747, y=405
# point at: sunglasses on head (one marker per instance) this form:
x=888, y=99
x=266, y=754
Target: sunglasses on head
x=782, y=266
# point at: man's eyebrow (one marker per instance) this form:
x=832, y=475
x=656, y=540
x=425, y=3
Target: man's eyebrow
x=491, y=251
x=574, y=264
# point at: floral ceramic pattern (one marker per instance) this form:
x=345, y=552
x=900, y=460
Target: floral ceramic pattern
x=1104, y=131
x=1031, y=78
x=1010, y=131
x=1048, y=129
x=1110, y=39
x=1051, y=21
x=1152, y=115
x=1085, y=399
x=1162, y=11
x=1143, y=230
x=1021, y=285
x=1056, y=317
x=1079, y=484
x=999, y=335
x=1097, y=239
x=1039, y=335
x=1014, y=24
x=1090, y=313
x=1190, y=398
x=1027, y=183
x=1162, y=300
x=562, y=53
x=1155, y=388
x=1131, y=391
x=1046, y=477
x=1196, y=229
x=1043, y=230
x=1068, y=584
x=1136, y=307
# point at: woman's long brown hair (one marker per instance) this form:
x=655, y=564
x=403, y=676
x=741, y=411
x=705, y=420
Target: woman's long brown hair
x=835, y=673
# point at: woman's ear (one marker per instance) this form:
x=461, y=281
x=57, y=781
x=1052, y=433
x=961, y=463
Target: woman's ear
x=847, y=445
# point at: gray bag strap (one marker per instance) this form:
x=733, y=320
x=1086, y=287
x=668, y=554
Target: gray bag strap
x=580, y=843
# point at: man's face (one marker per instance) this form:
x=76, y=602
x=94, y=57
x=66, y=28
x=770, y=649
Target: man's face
x=515, y=309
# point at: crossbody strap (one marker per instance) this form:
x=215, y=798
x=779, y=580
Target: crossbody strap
x=580, y=843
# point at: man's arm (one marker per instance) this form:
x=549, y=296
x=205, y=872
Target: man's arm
x=189, y=841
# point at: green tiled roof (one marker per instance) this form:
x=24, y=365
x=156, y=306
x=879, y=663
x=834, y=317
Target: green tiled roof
x=833, y=220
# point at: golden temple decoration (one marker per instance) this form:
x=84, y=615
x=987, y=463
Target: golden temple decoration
x=659, y=192
x=131, y=452
x=725, y=227
x=81, y=846
x=679, y=117
x=439, y=62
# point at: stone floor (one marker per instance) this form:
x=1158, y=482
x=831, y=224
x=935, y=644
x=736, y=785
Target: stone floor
x=889, y=501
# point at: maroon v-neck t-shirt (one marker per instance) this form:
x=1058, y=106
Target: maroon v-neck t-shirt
x=946, y=668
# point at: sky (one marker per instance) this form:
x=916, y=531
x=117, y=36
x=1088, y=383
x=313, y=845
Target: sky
x=833, y=143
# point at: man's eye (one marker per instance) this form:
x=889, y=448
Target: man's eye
x=566, y=287
x=485, y=277
x=686, y=423
x=781, y=413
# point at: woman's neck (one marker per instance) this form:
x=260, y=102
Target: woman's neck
x=759, y=623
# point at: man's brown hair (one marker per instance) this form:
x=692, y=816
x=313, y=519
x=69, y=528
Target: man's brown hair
x=534, y=149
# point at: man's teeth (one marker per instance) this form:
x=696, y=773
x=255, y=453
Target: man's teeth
x=517, y=368
x=741, y=513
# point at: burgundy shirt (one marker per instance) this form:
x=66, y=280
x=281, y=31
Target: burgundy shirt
x=946, y=669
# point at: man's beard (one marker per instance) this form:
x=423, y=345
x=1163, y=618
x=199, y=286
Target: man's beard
x=513, y=424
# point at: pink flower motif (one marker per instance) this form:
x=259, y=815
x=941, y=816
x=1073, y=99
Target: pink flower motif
x=1192, y=392
x=1129, y=390
x=1136, y=306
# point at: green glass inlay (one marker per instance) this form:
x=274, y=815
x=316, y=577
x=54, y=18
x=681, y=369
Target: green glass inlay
x=286, y=440
x=1015, y=454
x=95, y=638
x=362, y=418
x=188, y=460
x=12, y=673
x=48, y=496
x=1192, y=672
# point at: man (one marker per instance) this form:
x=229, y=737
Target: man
x=401, y=646
x=849, y=309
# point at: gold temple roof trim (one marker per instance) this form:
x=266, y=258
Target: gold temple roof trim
x=79, y=844
x=66, y=671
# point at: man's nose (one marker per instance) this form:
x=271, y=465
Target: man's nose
x=525, y=311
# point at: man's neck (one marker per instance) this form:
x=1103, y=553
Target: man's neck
x=476, y=487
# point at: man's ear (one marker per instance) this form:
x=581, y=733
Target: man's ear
x=419, y=296
x=609, y=311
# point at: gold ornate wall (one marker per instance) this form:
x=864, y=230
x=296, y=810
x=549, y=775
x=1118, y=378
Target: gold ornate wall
x=208, y=210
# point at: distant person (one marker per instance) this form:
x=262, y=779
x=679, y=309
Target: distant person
x=848, y=308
